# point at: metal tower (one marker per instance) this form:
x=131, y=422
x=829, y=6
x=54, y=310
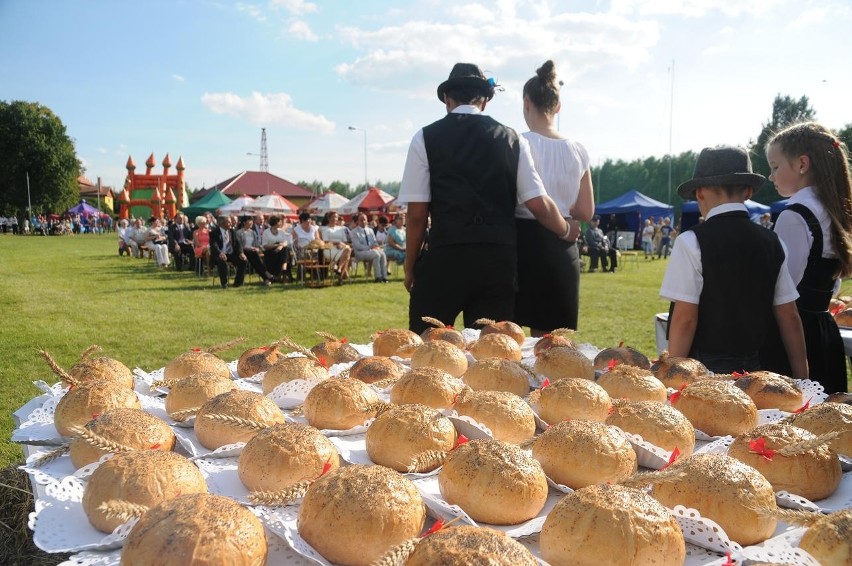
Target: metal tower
x=264, y=154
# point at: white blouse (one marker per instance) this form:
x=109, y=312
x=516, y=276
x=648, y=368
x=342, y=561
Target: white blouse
x=561, y=164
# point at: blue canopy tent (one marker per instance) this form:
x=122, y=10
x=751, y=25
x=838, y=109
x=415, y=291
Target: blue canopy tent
x=82, y=208
x=689, y=213
x=631, y=209
x=777, y=207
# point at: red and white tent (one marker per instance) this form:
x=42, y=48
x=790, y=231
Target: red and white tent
x=272, y=204
x=326, y=202
x=371, y=200
x=237, y=205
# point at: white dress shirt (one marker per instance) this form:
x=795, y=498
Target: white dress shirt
x=795, y=234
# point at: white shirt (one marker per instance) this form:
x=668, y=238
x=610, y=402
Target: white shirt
x=561, y=165
x=416, y=186
x=270, y=239
x=333, y=233
x=794, y=233
x=684, y=279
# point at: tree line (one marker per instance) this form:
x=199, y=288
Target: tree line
x=34, y=142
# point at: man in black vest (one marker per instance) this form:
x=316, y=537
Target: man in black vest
x=466, y=173
x=728, y=276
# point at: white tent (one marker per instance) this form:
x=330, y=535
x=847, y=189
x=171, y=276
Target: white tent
x=237, y=205
x=373, y=199
x=272, y=203
x=327, y=202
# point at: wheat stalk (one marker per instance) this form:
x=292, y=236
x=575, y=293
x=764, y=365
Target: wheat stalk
x=122, y=510
x=95, y=440
x=298, y=411
x=288, y=343
x=383, y=383
x=237, y=422
x=328, y=337
x=426, y=461
x=485, y=321
x=344, y=374
x=165, y=382
x=398, y=555
x=704, y=395
x=51, y=456
x=803, y=446
x=378, y=407
x=225, y=345
x=184, y=414
x=433, y=321
x=653, y=478
x=60, y=373
x=528, y=442
x=282, y=497
x=89, y=351
x=797, y=517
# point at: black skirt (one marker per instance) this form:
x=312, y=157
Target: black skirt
x=548, y=294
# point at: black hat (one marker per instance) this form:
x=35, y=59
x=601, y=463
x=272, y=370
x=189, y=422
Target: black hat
x=718, y=166
x=467, y=75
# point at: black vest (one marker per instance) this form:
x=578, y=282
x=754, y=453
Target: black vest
x=817, y=284
x=473, y=172
x=740, y=262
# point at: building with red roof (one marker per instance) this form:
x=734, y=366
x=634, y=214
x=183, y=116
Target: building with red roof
x=257, y=184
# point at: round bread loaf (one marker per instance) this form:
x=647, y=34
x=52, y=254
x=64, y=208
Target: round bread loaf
x=211, y=529
x=442, y=355
x=102, y=368
x=446, y=333
x=508, y=416
x=141, y=477
x=213, y=433
x=496, y=346
x=829, y=540
x=394, y=342
x=578, y=453
x=402, y=433
x=335, y=352
x=352, y=516
x=657, y=423
x=86, y=401
x=193, y=391
x=840, y=397
x=283, y=455
x=549, y=341
x=571, y=399
x=724, y=490
x=131, y=428
x=828, y=417
x=340, y=404
x=493, y=482
x=561, y=363
x=467, y=544
x=621, y=356
x=674, y=372
x=256, y=360
x=376, y=368
x=429, y=386
x=195, y=361
x=613, y=524
x=770, y=390
x=497, y=374
x=813, y=473
x=717, y=408
x=634, y=383
x=506, y=327
x=844, y=318
x=290, y=369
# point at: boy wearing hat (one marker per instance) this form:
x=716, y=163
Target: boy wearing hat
x=728, y=276
x=466, y=173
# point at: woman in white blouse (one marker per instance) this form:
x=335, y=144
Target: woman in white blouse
x=277, y=246
x=335, y=234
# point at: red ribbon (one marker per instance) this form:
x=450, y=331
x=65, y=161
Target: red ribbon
x=612, y=363
x=450, y=326
x=545, y=383
x=156, y=446
x=344, y=340
x=462, y=439
x=323, y=362
x=676, y=395
x=804, y=407
x=264, y=348
x=675, y=455
x=439, y=524
x=325, y=468
x=196, y=350
x=729, y=561
x=455, y=398
x=758, y=446
x=95, y=415
x=738, y=374
x=610, y=410
x=836, y=309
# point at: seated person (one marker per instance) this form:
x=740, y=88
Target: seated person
x=138, y=237
x=395, y=245
x=381, y=230
x=124, y=238
x=335, y=234
x=252, y=248
x=157, y=242
x=277, y=246
x=201, y=239
x=180, y=241
x=305, y=232
x=226, y=247
x=366, y=248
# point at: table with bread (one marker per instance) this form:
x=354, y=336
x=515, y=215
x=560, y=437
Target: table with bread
x=450, y=447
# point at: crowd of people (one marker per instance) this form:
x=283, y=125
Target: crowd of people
x=270, y=245
x=57, y=225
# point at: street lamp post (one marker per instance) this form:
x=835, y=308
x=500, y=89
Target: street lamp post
x=354, y=129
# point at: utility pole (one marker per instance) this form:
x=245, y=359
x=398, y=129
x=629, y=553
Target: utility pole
x=264, y=155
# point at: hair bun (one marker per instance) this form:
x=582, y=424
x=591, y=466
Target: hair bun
x=547, y=72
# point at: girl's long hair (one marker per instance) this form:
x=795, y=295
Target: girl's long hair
x=829, y=171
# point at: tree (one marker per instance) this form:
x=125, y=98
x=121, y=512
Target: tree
x=845, y=135
x=33, y=141
x=785, y=111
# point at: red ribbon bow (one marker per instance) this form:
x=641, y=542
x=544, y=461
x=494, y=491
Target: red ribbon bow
x=439, y=524
x=758, y=446
x=325, y=468
x=675, y=455
x=738, y=374
x=729, y=561
x=156, y=446
x=676, y=395
x=545, y=383
x=196, y=350
x=323, y=361
x=611, y=364
x=344, y=340
x=462, y=439
x=804, y=407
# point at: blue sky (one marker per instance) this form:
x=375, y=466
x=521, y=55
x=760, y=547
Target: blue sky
x=199, y=78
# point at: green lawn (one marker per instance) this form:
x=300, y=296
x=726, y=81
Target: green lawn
x=63, y=294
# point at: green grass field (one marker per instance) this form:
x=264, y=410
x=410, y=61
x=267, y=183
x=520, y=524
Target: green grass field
x=63, y=294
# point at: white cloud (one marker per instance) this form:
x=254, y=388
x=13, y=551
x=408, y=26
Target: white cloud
x=178, y=78
x=808, y=18
x=299, y=29
x=716, y=49
x=727, y=30
x=295, y=7
x=266, y=109
x=252, y=10
x=390, y=147
x=694, y=8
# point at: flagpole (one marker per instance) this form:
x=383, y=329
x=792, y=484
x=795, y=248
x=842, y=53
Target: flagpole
x=98, y=213
x=671, y=121
x=29, y=202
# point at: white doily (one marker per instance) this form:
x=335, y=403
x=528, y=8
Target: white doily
x=812, y=391
x=352, y=448
x=470, y=335
x=704, y=532
x=226, y=451
x=56, y=390
x=38, y=427
x=223, y=478
x=840, y=499
x=647, y=454
x=51, y=472
x=433, y=499
x=62, y=526
x=291, y=394
x=469, y=427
